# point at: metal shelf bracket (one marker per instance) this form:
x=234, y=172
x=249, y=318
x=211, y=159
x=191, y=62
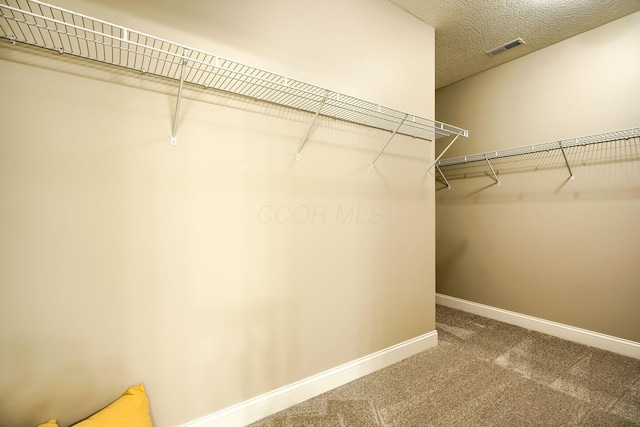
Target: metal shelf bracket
x=444, y=177
x=571, y=177
x=443, y=151
x=313, y=122
x=373, y=162
x=183, y=65
x=492, y=171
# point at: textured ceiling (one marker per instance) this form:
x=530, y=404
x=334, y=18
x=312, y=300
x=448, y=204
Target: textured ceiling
x=466, y=29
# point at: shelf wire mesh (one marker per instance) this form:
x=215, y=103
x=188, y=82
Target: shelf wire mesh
x=540, y=148
x=610, y=147
x=50, y=27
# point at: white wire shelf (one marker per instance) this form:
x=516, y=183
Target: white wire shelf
x=530, y=157
x=50, y=27
x=547, y=146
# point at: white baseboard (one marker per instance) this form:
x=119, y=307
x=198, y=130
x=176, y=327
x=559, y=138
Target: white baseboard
x=269, y=403
x=571, y=333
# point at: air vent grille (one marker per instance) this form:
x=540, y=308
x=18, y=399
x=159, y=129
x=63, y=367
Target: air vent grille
x=505, y=47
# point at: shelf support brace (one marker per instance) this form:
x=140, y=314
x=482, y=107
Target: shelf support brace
x=443, y=177
x=373, y=162
x=492, y=171
x=313, y=122
x=174, y=129
x=443, y=151
x=571, y=177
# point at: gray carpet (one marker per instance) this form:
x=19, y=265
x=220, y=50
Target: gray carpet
x=483, y=373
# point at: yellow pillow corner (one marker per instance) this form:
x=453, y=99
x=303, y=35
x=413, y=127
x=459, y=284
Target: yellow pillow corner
x=131, y=409
x=50, y=423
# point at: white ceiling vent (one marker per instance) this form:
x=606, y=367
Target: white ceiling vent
x=505, y=47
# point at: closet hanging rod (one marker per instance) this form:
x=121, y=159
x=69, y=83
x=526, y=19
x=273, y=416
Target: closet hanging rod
x=40, y=24
x=547, y=146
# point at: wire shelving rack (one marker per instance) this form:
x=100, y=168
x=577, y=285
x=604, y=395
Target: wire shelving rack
x=67, y=32
x=454, y=165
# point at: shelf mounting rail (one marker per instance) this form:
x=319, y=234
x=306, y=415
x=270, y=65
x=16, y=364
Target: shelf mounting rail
x=40, y=24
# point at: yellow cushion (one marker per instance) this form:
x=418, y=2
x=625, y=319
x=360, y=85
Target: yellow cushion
x=50, y=423
x=130, y=410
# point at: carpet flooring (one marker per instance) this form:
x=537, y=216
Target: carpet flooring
x=483, y=373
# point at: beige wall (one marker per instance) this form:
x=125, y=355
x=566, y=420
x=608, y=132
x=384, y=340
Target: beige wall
x=221, y=268
x=539, y=244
